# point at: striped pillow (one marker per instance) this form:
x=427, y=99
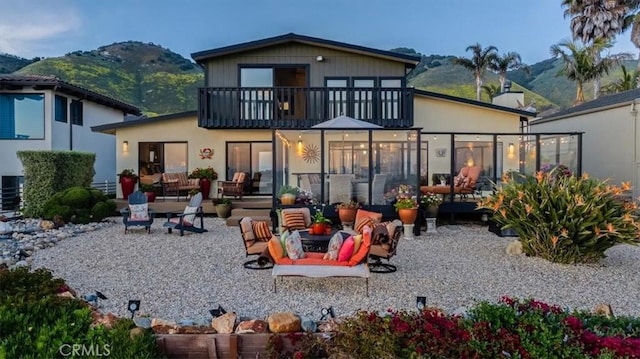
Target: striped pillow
x=293, y=220
x=362, y=222
x=261, y=231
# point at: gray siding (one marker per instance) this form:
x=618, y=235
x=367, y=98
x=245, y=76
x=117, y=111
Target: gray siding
x=223, y=72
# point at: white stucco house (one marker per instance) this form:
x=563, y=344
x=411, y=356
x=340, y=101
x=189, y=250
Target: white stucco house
x=46, y=113
x=610, y=140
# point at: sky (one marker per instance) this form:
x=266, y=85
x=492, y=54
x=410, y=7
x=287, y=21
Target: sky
x=46, y=28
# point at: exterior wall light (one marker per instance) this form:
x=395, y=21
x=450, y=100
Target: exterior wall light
x=319, y=58
x=125, y=146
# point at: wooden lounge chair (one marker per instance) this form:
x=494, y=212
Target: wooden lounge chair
x=235, y=187
x=137, y=213
x=185, y=221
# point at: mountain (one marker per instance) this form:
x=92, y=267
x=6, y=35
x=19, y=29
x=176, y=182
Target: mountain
x=11, y=63
x=149, y=76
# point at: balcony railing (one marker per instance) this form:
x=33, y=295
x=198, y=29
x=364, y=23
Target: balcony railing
x=302, y=107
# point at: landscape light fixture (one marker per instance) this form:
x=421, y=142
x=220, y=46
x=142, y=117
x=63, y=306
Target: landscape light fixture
x=133, y=307
x=421, y=303
x=93, y=298
x=218, y=311
x=327, y=313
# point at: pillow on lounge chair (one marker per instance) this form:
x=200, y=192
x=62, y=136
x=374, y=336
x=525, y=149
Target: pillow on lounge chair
x=361, y=223
x=261, y=231
x=294, y=220
x=275, y=248
x=190, y=214
x=139, y=212
x=346, y=251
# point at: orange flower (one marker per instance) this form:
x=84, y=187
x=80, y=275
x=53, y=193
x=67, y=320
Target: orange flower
x=520, y=195
x=579, y=200
x=554, y=240
x=503, y=212
x=585, y=176
x=627, y=217
x=528, y=208
x=626, y=186
x=610, y=228
x=564, y=233
x=596, y=230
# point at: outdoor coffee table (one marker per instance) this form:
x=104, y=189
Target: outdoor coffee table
x=316, y=242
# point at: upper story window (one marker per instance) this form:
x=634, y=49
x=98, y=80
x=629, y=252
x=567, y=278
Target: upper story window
x=60, y=114
x=77, y=116
x=21, y=116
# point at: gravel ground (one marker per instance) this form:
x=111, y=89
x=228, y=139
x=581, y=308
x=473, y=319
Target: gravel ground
x=179, y=278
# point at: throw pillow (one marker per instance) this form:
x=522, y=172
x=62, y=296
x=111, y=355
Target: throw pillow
x=379, y=233
x=283, y=242
x=275, y=248
x=189, y=215
x=293, y=220
x=294, y=246
x=346, y=251
x=334, y=247
x=139, y=212
x=375, y=216
x=361, y=223
x=261, y=230
x=357, y=241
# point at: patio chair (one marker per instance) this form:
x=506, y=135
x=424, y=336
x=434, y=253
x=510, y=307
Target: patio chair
x=464, y=183
x=255, y=236
x=137, y=213
x=385, y=247
x=185, y=221
x=235, y=187
x=340, y=188
x=377, y=188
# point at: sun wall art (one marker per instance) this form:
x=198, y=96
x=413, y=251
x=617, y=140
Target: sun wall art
x=311, y=153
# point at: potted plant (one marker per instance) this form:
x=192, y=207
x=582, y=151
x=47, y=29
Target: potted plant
x=347, y=211
x=431, y=202
x=149, y=192
x=288, y=194
x=223, y=207
x=407, y=210
x=320, y=222
x=127, y=181
x=205, y=175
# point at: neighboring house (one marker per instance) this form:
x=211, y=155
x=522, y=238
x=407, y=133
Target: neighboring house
x=261, y=100
x=45, y=113
x=610, y=140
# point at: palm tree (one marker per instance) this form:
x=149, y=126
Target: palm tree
x=478, y=63
x=504, y=63
x=628, y=81
x=592, y=20
x=492, y=90
x=580, y=64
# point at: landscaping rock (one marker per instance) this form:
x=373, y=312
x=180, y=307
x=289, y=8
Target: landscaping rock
x=157, y=322
x=252, y=326
x=603, y=309
x=136, y=332
x=286, y=322
x=514, y=248
x=47, y=225
x=195, y=329
x=142, y=322
x=308, y=325
x=66, y=294
x=225, y=323
x=330, y=325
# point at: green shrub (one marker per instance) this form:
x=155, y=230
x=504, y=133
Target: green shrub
x=565, y=219
x=77, y=197
x=35, y=323
x=79, y=205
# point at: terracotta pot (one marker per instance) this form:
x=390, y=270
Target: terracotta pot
x=205, y=187
x=408, y=216
x=347, y=215
x=318, y=228
x=288, y=199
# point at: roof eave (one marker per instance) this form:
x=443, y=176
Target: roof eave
x=474, y=102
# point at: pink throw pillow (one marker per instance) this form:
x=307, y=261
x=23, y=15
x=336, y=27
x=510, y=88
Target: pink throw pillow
x=346, y=251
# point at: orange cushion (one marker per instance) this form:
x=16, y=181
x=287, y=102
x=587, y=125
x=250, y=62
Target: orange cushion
x=261, y=230
x=275, y=248
x=361, y=223
x=362, y=253
x=377, y=217
x=293, y=220
x=464, y=171
x=357, y=241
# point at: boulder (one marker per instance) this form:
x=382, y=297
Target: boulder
x=285, y=322
x=136, y=332
x=66, y=294
x=603, y=309
x=47, y=225
x=195, y=329
x=514, y=248
x=225, y=323
x=157, y=322
x=252, y=326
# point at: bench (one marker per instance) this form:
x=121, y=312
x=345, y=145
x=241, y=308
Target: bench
x=320, y=271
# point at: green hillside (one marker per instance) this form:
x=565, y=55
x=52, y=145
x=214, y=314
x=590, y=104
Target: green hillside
x=11, y=63
x=145, y=75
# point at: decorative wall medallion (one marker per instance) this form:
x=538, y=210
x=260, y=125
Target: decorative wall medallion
x=311, y=153
x=206, y=153
x=441, y=152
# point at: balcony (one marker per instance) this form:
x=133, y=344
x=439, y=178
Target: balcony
x=302, y=107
